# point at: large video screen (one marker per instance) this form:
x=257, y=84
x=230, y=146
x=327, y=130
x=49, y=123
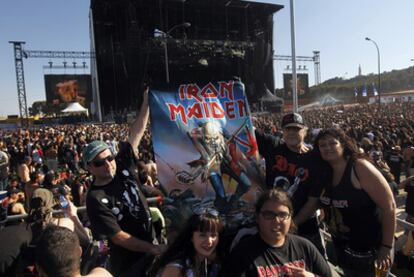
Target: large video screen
x=302, y=85
x=68, y=88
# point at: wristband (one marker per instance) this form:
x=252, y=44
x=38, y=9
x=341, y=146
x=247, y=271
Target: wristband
x=386, y=246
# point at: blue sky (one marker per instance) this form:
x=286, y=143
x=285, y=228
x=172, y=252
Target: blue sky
x=336, y=28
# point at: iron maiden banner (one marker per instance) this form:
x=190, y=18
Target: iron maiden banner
x=205, y=148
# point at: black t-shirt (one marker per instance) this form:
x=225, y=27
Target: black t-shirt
x=254, y=257
x=297, y=173
x=13, y=239
x=409, y=201
x=118, y=206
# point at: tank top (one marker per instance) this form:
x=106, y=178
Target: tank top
x=351, y=214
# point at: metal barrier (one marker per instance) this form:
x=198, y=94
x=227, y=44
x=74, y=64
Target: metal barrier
x=159, y=200
x=405, y=224
x=150, y=200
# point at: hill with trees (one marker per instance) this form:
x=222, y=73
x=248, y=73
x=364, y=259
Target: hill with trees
x=392, y=81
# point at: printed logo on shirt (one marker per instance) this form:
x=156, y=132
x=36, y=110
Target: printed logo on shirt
x=325, y=200
x=335, y=203
x=340, y=203
x=130, y=199
x=282, y=165
x=279, y=270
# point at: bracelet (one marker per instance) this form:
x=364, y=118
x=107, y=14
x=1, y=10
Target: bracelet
x=386, y=246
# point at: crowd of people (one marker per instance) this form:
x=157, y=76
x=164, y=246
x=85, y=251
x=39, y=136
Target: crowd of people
x=337, y=168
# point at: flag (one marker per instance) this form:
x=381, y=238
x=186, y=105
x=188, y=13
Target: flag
x=356, y=91
x=374, y=89
x=182, y=118
x=364, y=91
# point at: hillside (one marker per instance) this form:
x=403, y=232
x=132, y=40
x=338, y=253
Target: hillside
x=395, y=80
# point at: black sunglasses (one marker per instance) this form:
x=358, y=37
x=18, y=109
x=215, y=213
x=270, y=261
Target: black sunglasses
x=206, y=211
x=101, y=162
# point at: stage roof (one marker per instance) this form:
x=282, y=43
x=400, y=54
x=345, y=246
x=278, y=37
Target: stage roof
x=271, y=8
x=266, y=7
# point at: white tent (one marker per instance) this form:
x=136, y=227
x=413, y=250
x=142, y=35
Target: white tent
x=270, y=102
x=329, y=100
x=309, y=106
x=270, y=97
x=75, y=107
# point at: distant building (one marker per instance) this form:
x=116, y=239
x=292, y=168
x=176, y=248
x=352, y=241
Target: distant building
x=400, y=96
x=359, y=70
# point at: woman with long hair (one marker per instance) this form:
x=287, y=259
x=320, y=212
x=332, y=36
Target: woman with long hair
x=275, y=251
x=193, y=252
x=360, y=208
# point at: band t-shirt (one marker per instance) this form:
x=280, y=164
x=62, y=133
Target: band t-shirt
x=296, y=173
x=254, y=257
x=117, y=206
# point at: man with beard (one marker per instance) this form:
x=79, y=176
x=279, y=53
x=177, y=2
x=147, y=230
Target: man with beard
x=292, y=166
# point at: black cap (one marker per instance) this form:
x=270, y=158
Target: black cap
x=293, y=120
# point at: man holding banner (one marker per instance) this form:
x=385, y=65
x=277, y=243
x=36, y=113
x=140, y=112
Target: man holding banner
x=116, y=207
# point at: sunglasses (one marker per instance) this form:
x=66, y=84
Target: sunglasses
x=268, y=215
x=101, y=162
x=206, y=211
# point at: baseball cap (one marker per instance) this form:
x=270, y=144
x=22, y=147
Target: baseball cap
x=293, y=120
x=93, y=149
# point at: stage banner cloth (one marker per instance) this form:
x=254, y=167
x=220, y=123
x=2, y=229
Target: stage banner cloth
x=205, y=149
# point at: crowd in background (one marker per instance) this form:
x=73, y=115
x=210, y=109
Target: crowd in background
x=386, y=133
x=51, y=156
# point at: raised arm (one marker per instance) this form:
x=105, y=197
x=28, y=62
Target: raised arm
x=137, y=128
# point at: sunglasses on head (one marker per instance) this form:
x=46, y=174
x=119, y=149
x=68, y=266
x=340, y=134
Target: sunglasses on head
x=206, y=211
x=101, y=162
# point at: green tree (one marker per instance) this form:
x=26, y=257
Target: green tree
x=37, y=108
x=47, y=109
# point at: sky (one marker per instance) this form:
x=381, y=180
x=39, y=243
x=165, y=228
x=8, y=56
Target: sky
x=335, y=28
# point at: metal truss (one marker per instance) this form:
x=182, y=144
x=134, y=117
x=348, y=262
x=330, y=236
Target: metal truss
x=315, y=59
x=21, y=91
x=57, y=54
x=19, y=54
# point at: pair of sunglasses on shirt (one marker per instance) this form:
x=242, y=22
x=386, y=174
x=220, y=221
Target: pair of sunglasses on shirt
x=101, y=162
x=206, y=211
